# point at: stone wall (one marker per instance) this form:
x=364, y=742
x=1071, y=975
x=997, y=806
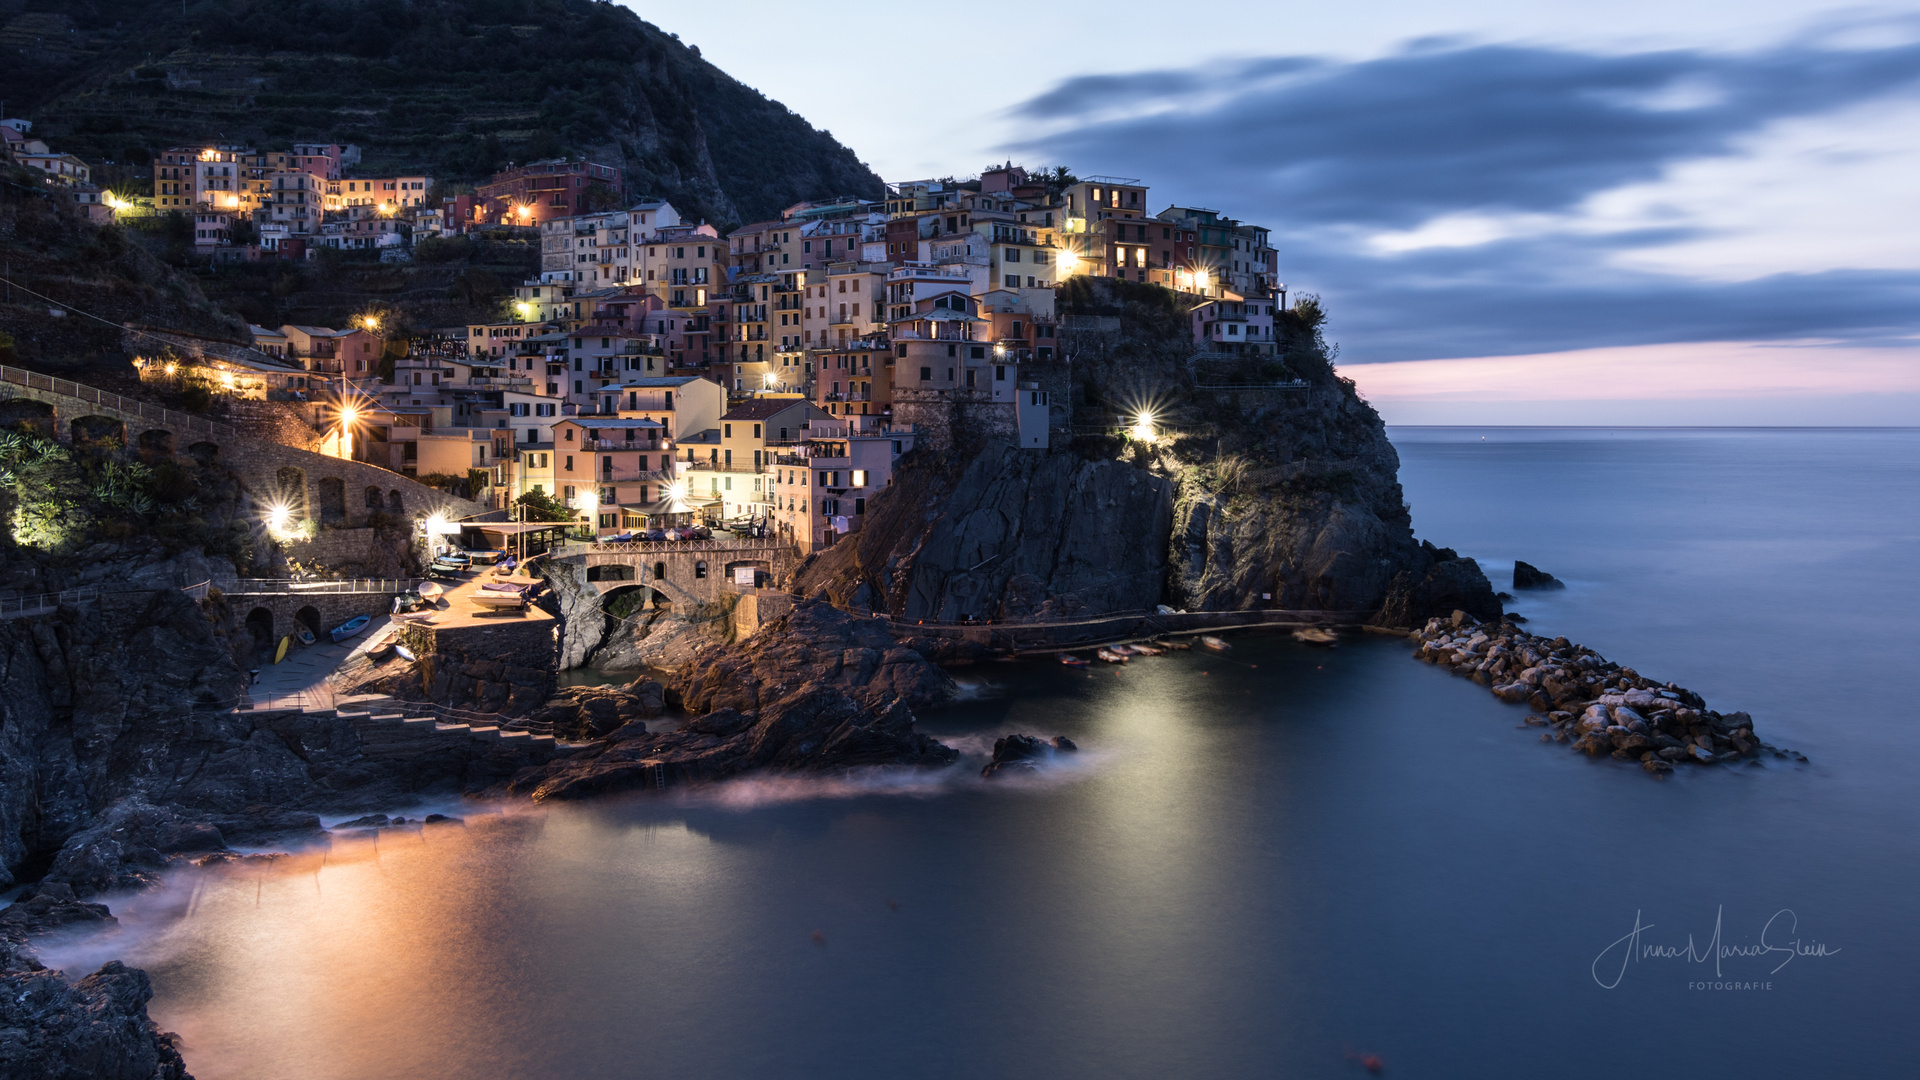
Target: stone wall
x=955, y=420
x=274, y=421
x=505, y=668
x=364, y=552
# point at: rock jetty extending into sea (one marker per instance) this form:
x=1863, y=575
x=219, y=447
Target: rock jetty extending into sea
x=1598, y=706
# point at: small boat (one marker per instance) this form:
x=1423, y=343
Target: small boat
x=351, y=627
x=1214, y=643
x=1183, y=646
x=300, y=631
x=1112, y=657
x=430, y=590
x=380, y=651
x=403, y=652
x=501, y=586
x=1148, y=650
x=458, y=558
x=1316, y=635
x=498, y=599
x=1071, y=660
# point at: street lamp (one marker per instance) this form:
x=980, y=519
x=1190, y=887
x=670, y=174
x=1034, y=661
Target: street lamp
x=1143, y=429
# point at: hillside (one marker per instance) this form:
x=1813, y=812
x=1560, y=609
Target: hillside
x=54, y=258
x=457, y=88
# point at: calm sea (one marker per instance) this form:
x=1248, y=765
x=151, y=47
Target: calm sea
x=1270, y=863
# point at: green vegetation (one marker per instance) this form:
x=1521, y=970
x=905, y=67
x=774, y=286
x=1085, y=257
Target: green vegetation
x=541, y=506
x=454, y=88
x=55, y=498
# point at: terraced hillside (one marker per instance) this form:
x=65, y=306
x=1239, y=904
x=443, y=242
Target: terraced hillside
x=456, y=88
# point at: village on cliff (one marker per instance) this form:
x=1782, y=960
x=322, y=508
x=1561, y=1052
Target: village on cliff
x=659, y=373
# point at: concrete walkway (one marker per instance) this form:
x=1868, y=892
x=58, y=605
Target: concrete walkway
x=300, y=681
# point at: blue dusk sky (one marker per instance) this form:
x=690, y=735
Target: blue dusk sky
x=1635, y=212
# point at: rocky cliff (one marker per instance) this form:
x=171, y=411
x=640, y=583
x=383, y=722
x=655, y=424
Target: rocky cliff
x=119, y=749
x=1268, y=483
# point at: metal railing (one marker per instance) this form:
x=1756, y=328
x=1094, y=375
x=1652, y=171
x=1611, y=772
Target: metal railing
x=635, y=547
x=283, y=587
x=1089, y=632
x=12, y=607
x=128, y=407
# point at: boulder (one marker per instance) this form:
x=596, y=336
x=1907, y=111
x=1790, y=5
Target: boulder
x=1529, y=576
x=1023, y=754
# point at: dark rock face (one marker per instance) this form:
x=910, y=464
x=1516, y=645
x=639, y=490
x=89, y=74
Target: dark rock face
x=816, y=730
x=1250, y=500
x=96, y=1029
x=1529, y=576
x=1013, y=535
x=814, y=645
x=580, y=713
x=1024, y=754
x=1440, y=580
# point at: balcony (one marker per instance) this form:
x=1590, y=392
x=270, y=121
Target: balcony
x=645, y=445
x=948, y=332
x=733, y=468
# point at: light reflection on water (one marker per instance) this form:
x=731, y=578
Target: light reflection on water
x=1250, y=871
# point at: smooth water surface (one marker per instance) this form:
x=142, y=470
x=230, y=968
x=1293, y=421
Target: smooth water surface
x=1261, y=864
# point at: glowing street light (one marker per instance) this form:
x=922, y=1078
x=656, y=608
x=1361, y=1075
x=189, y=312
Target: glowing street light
x=676, y=496
x=1201, y=279
x=772, y=379
x=1142, y=429
x=1068, y=261
x=371, y=322
x=523, y=212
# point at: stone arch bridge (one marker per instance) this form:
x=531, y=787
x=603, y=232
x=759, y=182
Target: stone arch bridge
x=331, y=490
x=686, y=572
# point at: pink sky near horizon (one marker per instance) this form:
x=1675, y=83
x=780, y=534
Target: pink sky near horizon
x=1711, y=383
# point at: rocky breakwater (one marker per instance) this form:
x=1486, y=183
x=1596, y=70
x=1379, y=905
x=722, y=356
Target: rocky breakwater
x=816, y=690
x=1598, y=706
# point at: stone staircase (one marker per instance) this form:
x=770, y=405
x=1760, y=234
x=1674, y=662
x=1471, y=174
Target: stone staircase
x=388, y=728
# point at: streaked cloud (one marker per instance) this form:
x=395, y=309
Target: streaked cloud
x=1456, y=198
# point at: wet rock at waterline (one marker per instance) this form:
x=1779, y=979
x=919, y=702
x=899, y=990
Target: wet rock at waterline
x=583, y=713
x=1024, y=754
x=1598, y=706
x=817, y=729
x=1529, y=576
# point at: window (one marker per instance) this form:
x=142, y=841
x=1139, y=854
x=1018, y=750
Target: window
x=726, y=431
x=999, y=373
x=569, y=467
x=926, y=373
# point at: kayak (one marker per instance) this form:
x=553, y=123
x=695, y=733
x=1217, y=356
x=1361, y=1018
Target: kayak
x=351, y=627
x=281, y=653
x=403, y=652
x=1071, y=660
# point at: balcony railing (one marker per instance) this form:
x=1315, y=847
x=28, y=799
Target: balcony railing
x=649, y=444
